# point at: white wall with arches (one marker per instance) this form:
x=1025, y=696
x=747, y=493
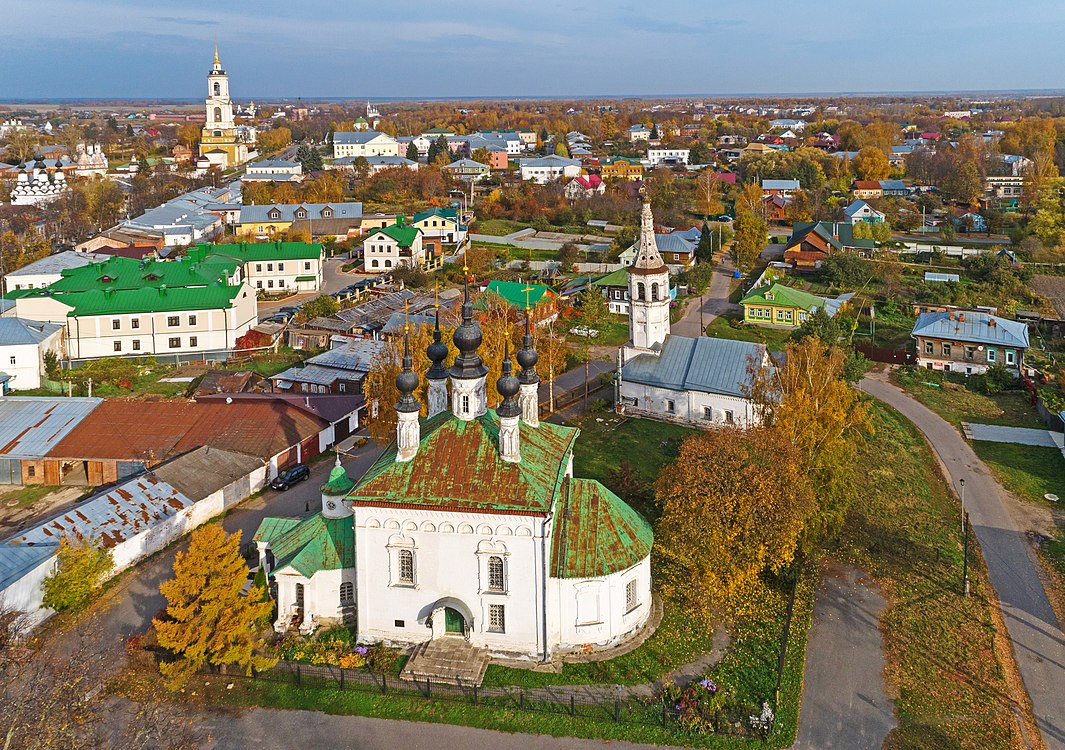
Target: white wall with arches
x=600, y=611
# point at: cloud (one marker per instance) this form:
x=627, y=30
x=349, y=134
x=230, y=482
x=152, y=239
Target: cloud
x=183, y=21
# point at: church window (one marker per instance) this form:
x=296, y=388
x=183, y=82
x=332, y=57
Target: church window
x=632, y=595
x=217, y=88
x=641, y=293
x=406, y=566
x=708, y=413
x=465, y=403
x=496, y=580
x=299, y=597
x=654, y=292
x=497, y=622
x=217, y=114
x=347, y=594
x=670, y=406
x=729, y=417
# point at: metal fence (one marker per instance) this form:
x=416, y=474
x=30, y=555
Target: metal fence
x=596, y=702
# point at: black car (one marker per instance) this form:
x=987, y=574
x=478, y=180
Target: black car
x=291, y=476
x=288, y=310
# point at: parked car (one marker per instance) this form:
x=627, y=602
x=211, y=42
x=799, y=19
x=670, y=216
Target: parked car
x=288, y=310
x=590, y=333
x=291, y=476
x=277, y=319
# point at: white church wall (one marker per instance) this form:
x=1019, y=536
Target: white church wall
x=321, y=597
x=594, y=610
x=687, y=406
x=451, y=551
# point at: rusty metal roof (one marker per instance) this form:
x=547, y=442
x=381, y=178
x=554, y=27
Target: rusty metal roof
x=596, y=533
x=458, y=467
x=30, y=426
x=111, y=517
x=152, y=431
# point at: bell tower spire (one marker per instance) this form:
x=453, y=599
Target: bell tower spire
x=648, y=290
x=437, y=374
x=469, y=398
x=509, y=410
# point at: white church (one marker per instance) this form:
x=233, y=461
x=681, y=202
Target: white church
x=702, y=381
x=470, y=526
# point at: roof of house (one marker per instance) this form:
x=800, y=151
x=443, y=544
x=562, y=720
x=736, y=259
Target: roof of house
x=259, y=251
x=205, y=470
x=976, y=328
x=16, y=560
x=30, y=426
x=440, y=213
x=780, y=185
x=893, y=185
x=349, y=138
x=837, y=234
x=554, y=160
x=867, y=185
x=857, y=206
x=619, y=277
x=16, y=331
x=401, y=232
x=287, y=211
x=589, y=182
x=327, y=406
x=710, y=365
x=155, y=430
x=309, y=545
x=783, y=296
x=514, y=292
x=458, y=460
x=467, y=164
x=149, y=299
x=118, y=273
x=596, y=533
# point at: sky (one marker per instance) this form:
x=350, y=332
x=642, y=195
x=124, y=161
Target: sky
x=471, y=48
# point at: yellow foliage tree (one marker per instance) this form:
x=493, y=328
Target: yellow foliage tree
x=208, y=620
x=733, y=505
x=808, y=400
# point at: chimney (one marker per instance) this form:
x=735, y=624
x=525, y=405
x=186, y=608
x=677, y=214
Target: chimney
x=952, y=315
x=961, y=317
x=991, y=322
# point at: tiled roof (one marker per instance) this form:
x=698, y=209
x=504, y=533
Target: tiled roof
x=976, y=328
x=458, y=466
x=596, y=533
x=307, y=546
x=709, y=365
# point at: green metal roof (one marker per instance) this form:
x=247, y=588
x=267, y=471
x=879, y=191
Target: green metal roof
x=443, y=213
x=619, y=277
x=783, y=296
x=126, y=273
x=307, y=546
x=458, y=467
x=514, y=292
x=596, y=533
x=404, y=235
x=338, y=483
x=146, y=300
x=260, y=251
x=306, y=278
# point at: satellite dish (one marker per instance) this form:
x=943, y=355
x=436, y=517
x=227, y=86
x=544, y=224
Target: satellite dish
x=229, y=399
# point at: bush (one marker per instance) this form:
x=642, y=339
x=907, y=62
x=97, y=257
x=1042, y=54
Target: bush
x=382, y=659
x=994, y=380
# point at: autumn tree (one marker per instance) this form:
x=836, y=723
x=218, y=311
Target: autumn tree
x=274, y=139
x=750, y=198
x=734, y=504
x=808, y=400
x=752, y=235
x=592, y=315
x=80, y=570
x=208, y=620
x=708, y=194
x=871, y=164
x=21, y=144
x=188, y=135
x=319, y=307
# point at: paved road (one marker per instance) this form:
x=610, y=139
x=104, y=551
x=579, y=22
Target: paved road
x=333, y=280
x=714, y=302
x=1037, y=636
x=844, y=704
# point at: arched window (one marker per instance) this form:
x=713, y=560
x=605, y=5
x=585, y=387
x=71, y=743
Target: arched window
x=217, y=88
x=496, y=580
x=641, y=291
x=406, y=566
x=299, y=598
x=465, y=403
x=218, y=114
x=654, y=292
x=347, y=594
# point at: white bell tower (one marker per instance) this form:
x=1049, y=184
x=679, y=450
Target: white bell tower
x=219, y=105
x=648, y=292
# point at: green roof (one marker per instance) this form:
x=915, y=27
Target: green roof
x=443, y=213
x=596, y=533
x=458, y=466
x=126, y=273
x=783, y=296
x=260, y=251
x=619, y=277
x=514, y=292
x=403, y=234
x=338, y=482
x=309, y=545
x=145, y=300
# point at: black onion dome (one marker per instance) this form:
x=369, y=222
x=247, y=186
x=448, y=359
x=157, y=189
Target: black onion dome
x=527, y=358
x=508, y=386
x=467, y=338
x=437, y=353
x=407, y=383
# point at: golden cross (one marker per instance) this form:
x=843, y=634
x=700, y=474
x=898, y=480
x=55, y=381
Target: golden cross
x=406, y=316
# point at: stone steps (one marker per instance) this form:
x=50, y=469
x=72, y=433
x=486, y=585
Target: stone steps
x=449, y=660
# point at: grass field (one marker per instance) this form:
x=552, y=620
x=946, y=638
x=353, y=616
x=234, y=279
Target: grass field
x=1028, y=471
x=773, y=338
x=957, y=403
x=25, y=496
x=941, y=655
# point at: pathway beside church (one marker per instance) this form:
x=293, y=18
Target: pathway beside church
x=714, y=302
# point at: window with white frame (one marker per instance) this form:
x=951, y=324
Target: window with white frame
x=708, y=413
x=1011, y=357
x=347, y=594
x=173, y=320
x=136, y=345
x=632, y=595
x=497, y=620
x=992, y=355
x=405, y=569
x=496, y=574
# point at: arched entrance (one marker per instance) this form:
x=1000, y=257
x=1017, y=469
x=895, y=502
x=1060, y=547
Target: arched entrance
x=454, y=622
x=449, y=616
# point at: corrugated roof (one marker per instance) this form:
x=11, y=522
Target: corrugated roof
x=596, y=533
x=514, y=292
x=975, y=328
x=30, y=426
x=56, y=263
x=307, y=546
x=783, y=296
x=148, y=299
x=347, y=138
x=458, y=466
x=111, y=517
x=120, y=273
x=16, y=560
x=260, y=251
x=202, y=472
x=287, y=211
x=15, y=331
x=710, y=365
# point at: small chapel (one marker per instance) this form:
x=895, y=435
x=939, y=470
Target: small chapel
x=470, y=526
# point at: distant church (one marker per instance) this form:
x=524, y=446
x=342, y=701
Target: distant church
x=470, y=525
x=222, y=143
x=696, y=381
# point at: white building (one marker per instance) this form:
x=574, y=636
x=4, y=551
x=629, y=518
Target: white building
x=638, y=132
x=549, y=169
x=23, y=345
x=364, y=143
x=667, y=156
x=470, y=526
x=274, y=265
x=273, y=170
x=35, y=186
x=48, y=270
x=699, y=381
x=393, y=246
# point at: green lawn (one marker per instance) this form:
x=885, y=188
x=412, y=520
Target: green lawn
x=956, y=403
x=1028, y=471
x=612, y=332
x=941, y=655
x=27, y=495
x=497, y=227
x=774, y=338
x=271, y=363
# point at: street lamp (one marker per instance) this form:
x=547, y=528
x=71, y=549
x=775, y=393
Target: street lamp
x=962, y=482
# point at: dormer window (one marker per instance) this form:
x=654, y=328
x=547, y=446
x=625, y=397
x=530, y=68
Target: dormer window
x=152, y=277
x=327, y=213
x=770, y=296
x=105, y=279
x=275, y=214
x=301, y=214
